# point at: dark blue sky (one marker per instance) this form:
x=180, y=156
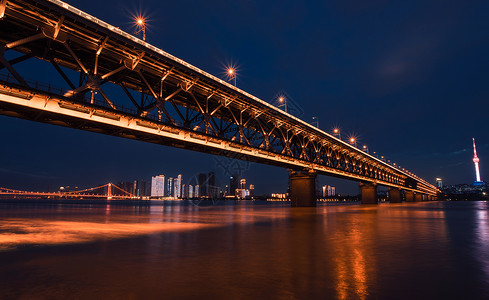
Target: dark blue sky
x=409, y=78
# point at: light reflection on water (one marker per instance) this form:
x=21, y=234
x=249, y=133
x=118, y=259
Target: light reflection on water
x=390, y=251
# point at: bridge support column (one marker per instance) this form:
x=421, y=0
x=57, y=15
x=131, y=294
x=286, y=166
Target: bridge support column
x=395, y=195
x=302, y=189
x=418, y=197
x=409, y=196
x=368, y=193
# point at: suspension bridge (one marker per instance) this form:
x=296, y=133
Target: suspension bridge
x=107, y=191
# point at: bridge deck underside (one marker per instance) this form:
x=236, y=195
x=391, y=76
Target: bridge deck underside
x=198, y=111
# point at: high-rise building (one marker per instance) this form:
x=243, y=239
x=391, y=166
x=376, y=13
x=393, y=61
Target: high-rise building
x=178, y=186
x=158, y=186
x=328, y=191
x=476, y=163
x=190, y=191
x=233, y=184
x=202, y=183
x=197, y=191
x=439, y=183
x=252, y=190
x=242, y=184
x=170, y=187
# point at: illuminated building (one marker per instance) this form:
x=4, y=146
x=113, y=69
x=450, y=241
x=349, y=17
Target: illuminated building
x=242, y=184
x=190, y=191
x=197, y=191
x=329, y=191
x=158, y=186
x=169, y=190
x=233, y=184
x=439, y=183
x=177, y=192
x=252, y=190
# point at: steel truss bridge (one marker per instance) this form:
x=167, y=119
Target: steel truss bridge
x=160, y=98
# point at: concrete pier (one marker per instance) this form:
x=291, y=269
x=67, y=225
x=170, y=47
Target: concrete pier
x=302, y=189
x=395, y=195
x=418, y=197
x=368, y=193
x=409, y=196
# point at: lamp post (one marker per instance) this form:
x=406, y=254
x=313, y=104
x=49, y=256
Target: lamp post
x=283, y=100
x=231, y=73
x=365, y=148
x=141, y=26
x=315, y=120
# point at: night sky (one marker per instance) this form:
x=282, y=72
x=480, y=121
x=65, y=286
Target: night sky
x=409, y=78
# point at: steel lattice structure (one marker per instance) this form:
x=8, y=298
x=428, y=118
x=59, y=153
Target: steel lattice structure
x=171, y=102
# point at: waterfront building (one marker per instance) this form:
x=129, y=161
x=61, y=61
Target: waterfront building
x=252, y=190
x=170, y=187
x=439, y=183
x=178, y=186
x=190, y=191
x=158, y=186
x=202, y=183
x=242, y=184
x=197, y=191
x=233, y=184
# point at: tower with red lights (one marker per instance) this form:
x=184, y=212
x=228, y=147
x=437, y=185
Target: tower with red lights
x=476, y=163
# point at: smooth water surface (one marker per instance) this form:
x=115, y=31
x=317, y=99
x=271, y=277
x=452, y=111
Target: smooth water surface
x=436, y=250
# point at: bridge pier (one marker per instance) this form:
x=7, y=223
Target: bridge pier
x=368, y=193
x=409, y=196
x=302, y=189
x=395, y=195
x=418, y=197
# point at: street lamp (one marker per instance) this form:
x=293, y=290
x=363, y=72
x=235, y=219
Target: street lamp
x=353, y=141
x=315, y=120
x=283, y=100
x=231, y=73
x=141, y=26
x=337, y=133
x=365, y=148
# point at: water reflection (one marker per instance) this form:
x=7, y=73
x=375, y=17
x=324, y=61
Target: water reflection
x=234, y=252
x=482, y=233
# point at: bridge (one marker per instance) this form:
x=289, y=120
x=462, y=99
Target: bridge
x=164, y=100
x=107, y=191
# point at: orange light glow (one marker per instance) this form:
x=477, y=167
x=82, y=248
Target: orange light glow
x=352, y=140
x=230, y=71
x=281, y=99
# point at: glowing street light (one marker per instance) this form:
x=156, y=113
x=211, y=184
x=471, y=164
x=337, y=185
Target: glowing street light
x=337, y=133
x=365, y=148
x=353, y=141
x=315, y=120
x=141, y=26
x=231, y=73
x=283, y=100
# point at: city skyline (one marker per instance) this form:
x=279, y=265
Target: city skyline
x=414, y=141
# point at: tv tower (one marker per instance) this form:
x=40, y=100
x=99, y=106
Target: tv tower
x=476, y=163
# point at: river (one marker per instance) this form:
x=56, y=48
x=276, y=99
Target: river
x=245, y=250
